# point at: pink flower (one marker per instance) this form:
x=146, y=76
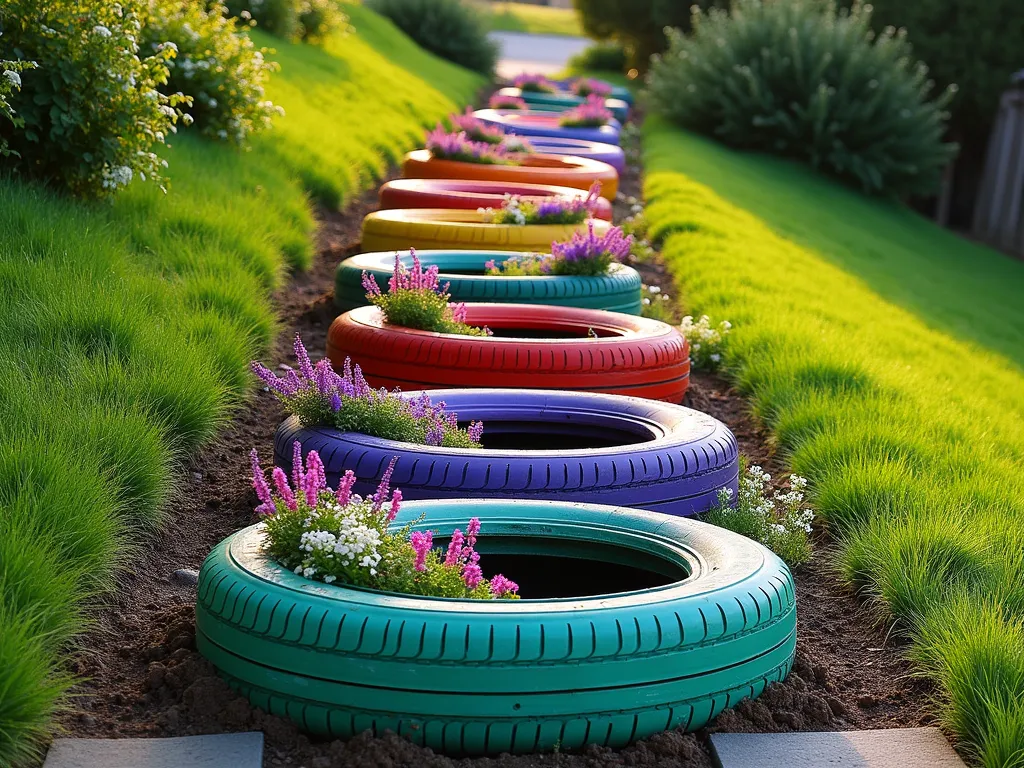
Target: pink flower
x=370, y=285
x=385, y=486
x=396, y=503
x=459, y=312
x=315, y=479
x=454, y=555
x=500, y=586
x=592, y=113
x=421, y=543
x=472, y=531
x=472, y=575
x=283, y=489
x=298, y=476
x=506, y=102
x=344, y=492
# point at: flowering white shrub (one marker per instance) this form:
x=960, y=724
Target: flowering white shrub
x=92, y=114
x=780, y=521
x=216, y=64
x=706, y=342
x=10, y=81
x=656, y=304
x=337, y=536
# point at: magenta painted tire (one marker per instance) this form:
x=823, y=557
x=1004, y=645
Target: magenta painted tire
x=601, y=449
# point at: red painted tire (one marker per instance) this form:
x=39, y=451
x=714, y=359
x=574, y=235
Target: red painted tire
x=633, y=356
x=466, y=194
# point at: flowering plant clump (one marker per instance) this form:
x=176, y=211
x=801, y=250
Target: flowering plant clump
x=549, y=210
x=475, y=128
x=707, y=343
x=781, y=521
x=92, y=115
x=216, y=64
x=10, y=81
x=517, y=144
x=586, y=86
x=308, y=20
x=535, y=83
x=587, y=255
x=655, y=304
x=458, y=146
x=336, y=536
x=319, y=396
x=498, y=101
x=591, y=114
x=416, y=299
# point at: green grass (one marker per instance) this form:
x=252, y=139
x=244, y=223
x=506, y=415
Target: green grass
x=887, y=357
x=128, y=327
x=535, y=19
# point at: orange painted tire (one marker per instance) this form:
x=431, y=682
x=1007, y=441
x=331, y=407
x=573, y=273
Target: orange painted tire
x=464, y=194
x=634, y=356
x=560, y=170
x=440, y=228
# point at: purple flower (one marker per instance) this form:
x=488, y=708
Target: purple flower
x=540, y=83
x=476, y=431
x=592, y=113
x=283, y=490
x=344, y=492
x=477, y=129
x=385, y=486
x=459, y=312
x=591, y=246
x=434, y=433
x=305, y=366
x=298, y=476
x=454, y=555
x=500, y=586
x=259, y=483
x=421, y=543
x=335, y=402
x=370, y=285
x=586, y=86
x=458, y=146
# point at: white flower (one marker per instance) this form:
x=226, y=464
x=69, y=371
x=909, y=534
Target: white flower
x=13, y=78
x=100, y=30
x=715, y=357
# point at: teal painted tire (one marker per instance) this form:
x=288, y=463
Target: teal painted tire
x=618, y=291
x=485, y=677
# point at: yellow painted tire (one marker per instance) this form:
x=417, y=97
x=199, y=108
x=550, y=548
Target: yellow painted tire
x=442, y=228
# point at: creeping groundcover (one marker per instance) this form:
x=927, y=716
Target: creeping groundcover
x=627, y=623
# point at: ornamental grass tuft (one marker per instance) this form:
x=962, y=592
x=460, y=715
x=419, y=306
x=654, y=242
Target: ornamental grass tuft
x=336, y=536
x=319, y=396
x=416, y=299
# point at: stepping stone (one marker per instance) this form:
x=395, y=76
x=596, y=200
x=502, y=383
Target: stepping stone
x=230, y=750
x=895, y=748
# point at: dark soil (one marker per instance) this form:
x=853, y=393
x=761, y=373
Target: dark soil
x=144, y=677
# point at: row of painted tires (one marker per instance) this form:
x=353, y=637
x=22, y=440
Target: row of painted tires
x=716, y=625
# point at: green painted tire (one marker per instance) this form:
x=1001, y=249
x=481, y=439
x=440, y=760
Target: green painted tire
x=618, y=291
x=485, y=677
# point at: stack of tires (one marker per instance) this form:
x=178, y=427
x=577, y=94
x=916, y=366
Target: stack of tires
x=588, y=456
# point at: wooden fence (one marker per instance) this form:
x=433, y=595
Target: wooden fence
x=999, y=211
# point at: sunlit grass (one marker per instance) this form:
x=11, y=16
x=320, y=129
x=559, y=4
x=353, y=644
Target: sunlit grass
x=127, y=329
x=887, y=357
x=526, y=17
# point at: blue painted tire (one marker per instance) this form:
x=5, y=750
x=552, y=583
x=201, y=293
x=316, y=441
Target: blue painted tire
x=546, y=124
x=618, y=291
x=683, y=459
x=716, y=626
x=606, y=153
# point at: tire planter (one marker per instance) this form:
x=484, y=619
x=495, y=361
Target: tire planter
x=473, y=195
x=545, y=348
x=562, y=446
x=404, y=228
x=717, y=626
x=618, y=291
x=564, y=100
x=605, y=153
x=618, y=92
x=529, y=124
x=558, y=170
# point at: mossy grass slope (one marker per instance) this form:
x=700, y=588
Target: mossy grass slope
x=887, y=357
x=127, y=328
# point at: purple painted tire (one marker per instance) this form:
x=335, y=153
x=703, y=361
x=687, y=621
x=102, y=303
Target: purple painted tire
x=594, y=150
x=532, y=124
x=601, y=449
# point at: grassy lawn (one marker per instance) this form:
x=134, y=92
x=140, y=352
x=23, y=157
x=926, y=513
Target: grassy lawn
x=887, y=357
x=524, y=17
x=128, y=327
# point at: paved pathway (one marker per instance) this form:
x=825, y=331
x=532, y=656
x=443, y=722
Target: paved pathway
x=231, y=750
x=546, y=54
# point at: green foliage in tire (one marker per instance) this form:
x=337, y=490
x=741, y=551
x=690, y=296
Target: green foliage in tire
x=715, y=626
x=450, y=29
